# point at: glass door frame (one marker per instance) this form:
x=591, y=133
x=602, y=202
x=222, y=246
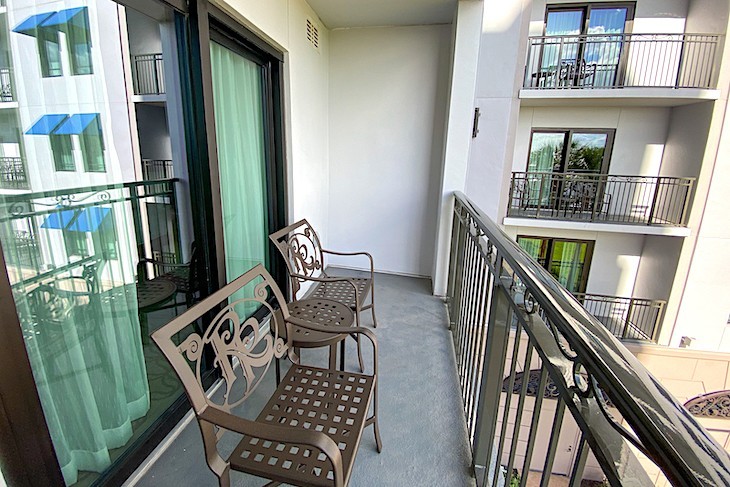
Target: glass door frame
x=590, y=246
x=213, y=24
x=556, y=188
x=27, y=455
x=586, y=8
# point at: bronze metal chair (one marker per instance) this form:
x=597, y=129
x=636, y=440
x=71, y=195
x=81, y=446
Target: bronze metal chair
x=304, y=256
x=309, y=431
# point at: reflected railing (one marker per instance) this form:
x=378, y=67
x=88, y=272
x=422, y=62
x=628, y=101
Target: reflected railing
x=153, y=169
x=7, y=91
x=527, y=353
x=57, y=233
x=592, y=61
x=12, y=173
x=148, y=74
x=603, y=198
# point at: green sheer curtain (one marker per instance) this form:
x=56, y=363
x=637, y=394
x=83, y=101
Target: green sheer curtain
x=546, y=153
x=239, y=124
x=567, y=264
x=81, y=329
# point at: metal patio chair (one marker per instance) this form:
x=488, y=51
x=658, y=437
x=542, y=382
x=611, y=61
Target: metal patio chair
x=309, y=431
x=186, y=277
x=304, y=256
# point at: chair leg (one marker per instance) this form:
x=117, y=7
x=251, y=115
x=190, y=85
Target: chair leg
x=224, y=479
x=372, y=305
x=378, y=441
x=359, y=354
x=278, y=372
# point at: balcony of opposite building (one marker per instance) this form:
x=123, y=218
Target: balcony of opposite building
x=654, y=205
x=631, y=69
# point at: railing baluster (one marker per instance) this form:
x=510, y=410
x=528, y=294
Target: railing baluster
x=526, y=369
x=547, y=470
x=581, y=455
x=531, y=437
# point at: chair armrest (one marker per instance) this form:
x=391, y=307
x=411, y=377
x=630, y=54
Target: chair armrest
x=282, y=434
x=340, y=330
x=370, y=257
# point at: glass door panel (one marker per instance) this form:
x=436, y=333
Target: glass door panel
x=95, y=253
x=603, y=53
x=546, y=156
x=563, y=51
x=586, y=152
x=567, y=260
x=238, y=93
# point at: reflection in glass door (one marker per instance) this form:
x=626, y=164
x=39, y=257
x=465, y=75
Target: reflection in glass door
x=97, y=253
x=580, y=60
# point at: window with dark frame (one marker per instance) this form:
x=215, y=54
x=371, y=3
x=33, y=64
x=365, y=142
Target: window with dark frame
x=570, y=150
x=76, y=243
x=78, y=40
x=569, y=261
x=92, y=151
x=62, y=149
x=49, y=53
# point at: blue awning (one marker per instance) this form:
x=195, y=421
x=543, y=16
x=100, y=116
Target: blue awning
x=89, y=219
x=70, y=16
x=59, y=220
x=46, y=124
x=78, y=124
x=31, y=24
x=84, y=220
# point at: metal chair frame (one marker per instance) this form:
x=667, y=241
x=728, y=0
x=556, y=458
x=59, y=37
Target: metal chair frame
x=308, y=433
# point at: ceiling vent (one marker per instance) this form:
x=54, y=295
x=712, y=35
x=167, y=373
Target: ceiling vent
x=313, y=34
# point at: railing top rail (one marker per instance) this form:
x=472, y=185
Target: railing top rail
x=628, y=34
x=598, y=176
x=678, y=444
x=150, y=54
x=24, y=197
x=608, y=296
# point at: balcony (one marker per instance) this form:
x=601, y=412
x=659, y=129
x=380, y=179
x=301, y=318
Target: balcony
x=505, y=316
x=625, y=318
x=154, y=169
x=648, y=201
x=679, y=67
x=148, y=74
x=7, y=91
x=12, y=173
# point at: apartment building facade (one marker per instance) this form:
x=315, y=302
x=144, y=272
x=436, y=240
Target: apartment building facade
x=608, y=170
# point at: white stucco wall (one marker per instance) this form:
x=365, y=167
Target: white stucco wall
x=664, y=16
x=388, y=91
x=638, y=143
x=282, y=23
x=144, y=33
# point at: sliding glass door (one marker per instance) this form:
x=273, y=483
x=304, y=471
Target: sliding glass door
x=567, y=260
x=586, y=61
x=247, y=141
x=99, y=251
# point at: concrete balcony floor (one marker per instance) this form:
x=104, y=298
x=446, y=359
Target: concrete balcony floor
x=421, y=417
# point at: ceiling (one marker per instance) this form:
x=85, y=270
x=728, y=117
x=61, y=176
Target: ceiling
x=376, y=13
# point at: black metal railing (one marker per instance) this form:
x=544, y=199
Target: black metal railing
x=156, y=169
x=12, y=173
x=148, y=74
x=7, y=91
x=103, y=222
x=626, y=318
x=527, y=352
x=622, y=60
x=605, y=198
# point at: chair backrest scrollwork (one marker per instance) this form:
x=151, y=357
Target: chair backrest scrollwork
x=302, y=251
x=238, y=346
